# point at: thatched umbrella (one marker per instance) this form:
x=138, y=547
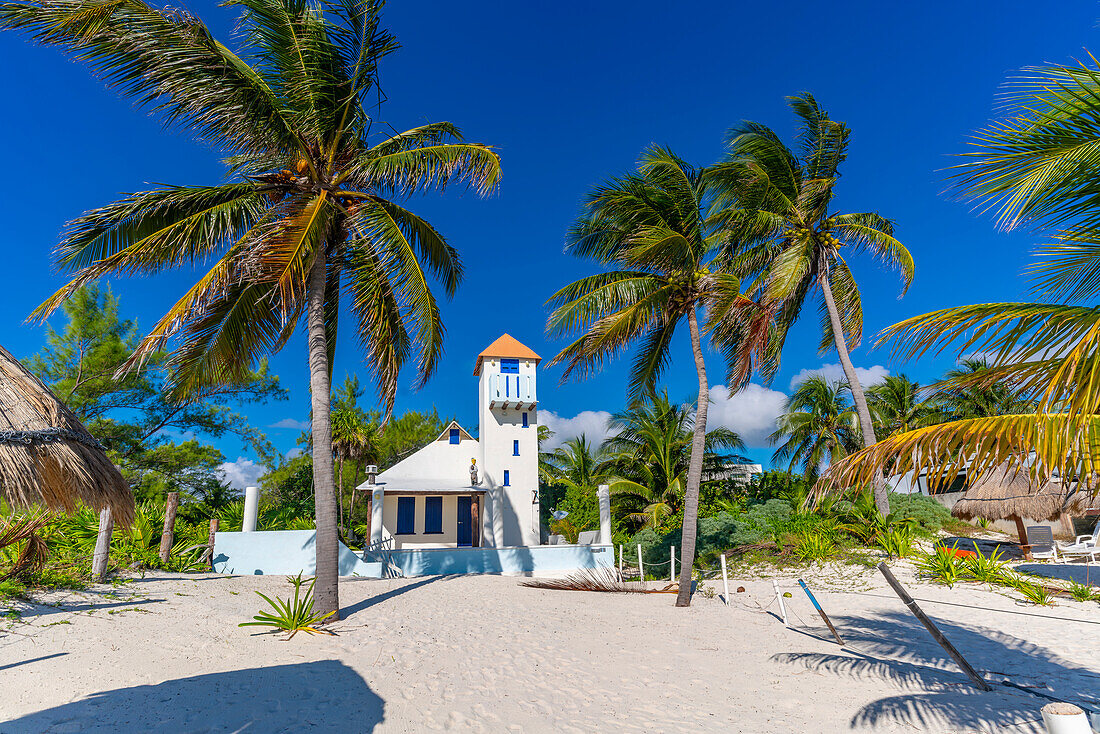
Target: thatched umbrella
x=47, y=456
x=1009, y=493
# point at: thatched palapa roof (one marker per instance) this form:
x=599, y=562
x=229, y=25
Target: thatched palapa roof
x=47, y=456
x=1008, y=492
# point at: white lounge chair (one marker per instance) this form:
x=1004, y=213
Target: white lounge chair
x=1040, y=539
x=588, y=537
x=1084, y=546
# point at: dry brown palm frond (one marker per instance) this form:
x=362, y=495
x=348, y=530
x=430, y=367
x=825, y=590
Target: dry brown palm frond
x=598, y=579
x=20, y=529
x=47, y=457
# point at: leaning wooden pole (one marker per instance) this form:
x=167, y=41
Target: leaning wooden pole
x=817, y=606
x=168, y=534
x=932, y=628
x=102, y=545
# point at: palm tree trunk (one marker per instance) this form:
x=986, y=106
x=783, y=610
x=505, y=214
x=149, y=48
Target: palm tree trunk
x=340, y=492
x=326, y=594
x=354, y=491
x=882, y=499
x=695, y=469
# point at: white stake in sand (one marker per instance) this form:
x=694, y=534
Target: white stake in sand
x=641, y=573
x=620, y=560
x=725, y=582
x=779, y=598
x=672, y=564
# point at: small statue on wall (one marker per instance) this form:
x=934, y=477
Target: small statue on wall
x=474, y=480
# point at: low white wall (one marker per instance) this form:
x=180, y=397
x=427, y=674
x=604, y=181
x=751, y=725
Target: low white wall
x=537, y=560
x=280, y=552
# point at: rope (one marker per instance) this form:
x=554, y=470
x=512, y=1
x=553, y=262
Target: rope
x=49, y=435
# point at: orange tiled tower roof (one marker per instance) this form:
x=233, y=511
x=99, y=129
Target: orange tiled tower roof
x=505, y=347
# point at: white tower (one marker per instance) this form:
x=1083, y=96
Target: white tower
x=508, y=443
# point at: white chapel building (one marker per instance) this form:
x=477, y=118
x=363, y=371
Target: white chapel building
x=461, y=491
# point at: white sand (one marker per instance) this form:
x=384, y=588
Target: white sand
x=164, y=654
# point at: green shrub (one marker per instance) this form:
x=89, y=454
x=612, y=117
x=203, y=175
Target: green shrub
x=1083, y=592
x=814, y=547
x=897, y=543
x=987, y=569
x=292, y=615
x=1036, y=594
x=928, y=515
x=942, y=566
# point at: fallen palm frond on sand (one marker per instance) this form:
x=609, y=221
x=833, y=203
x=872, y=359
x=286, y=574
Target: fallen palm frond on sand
x=24, y=529
x=599, y=579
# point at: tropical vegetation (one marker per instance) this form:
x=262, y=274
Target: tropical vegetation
x=788, y=241
x=308, y=219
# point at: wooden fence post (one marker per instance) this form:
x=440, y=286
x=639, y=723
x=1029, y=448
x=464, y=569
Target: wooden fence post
x=641, y=573
x=102, y=545
x=932, y=628
x=213, y=532
x=168, y=535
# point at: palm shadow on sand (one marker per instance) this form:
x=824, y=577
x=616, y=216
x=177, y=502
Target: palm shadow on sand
x=894, y=648
x=324, y=696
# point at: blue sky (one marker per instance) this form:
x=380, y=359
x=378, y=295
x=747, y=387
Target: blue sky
x=570, y=96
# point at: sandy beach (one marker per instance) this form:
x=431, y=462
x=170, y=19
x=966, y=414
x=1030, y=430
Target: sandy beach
x=481, y=653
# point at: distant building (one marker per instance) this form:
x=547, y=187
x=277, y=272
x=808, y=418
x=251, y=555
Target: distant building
x=737, y=472
x=461, y=491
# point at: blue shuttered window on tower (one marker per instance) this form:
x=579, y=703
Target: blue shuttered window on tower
x=509, y=366
x=507, y=482
x=406, y=516
x=433, y=515
x=524, y=420
x=454, y=435
x=515, y=448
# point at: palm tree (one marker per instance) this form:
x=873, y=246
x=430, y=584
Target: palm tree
x=782, y=200
x=1038, y=166
x=308, y=217
x=967, y=392
x=354, y=438
x=818, y=426
x=649, y=228
x=896, y=406
x=577, y=463
x=650, y=454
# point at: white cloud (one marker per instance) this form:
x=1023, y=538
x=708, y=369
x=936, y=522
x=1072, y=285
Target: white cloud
x=835, y=373
x=294, y=452
x=242, y=472
x=751, y=413
x=291, y=423
x=592, y=423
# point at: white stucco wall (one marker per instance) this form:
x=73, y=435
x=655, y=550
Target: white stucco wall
x=511, y=518
x=420, y=539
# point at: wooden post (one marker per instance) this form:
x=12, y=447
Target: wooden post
x=475, y=525
x=725, y=582
x=672, y=564
x=824, y=616
x=1025, y=548
x=168, y=535
x=641, y=573
x=102, y=551
x=213, y=532
x=620, y=561
x=932, y=628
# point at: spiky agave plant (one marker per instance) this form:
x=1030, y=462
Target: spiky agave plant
x=308, y=220
x=292, y=615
